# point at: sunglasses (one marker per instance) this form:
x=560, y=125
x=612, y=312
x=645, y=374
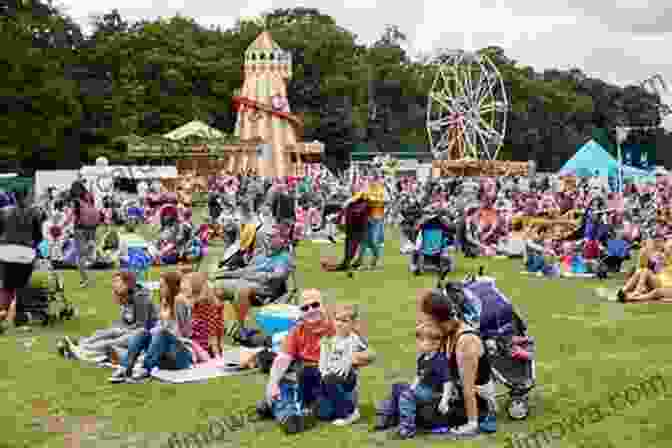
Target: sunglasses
x=308, y=306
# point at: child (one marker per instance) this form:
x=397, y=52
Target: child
x=339, y=378
x=534, y=250
x=207, y=313
x=432, y=379
x=513, y=246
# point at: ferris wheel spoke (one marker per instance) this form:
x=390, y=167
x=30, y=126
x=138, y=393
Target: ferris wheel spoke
x=486, y=144
x=469, y=143
x=470, y=84
x=489, y=107
x=491, y=80
x=487, y=128
x=447, y=82
x=459, y=85
x=438, y=97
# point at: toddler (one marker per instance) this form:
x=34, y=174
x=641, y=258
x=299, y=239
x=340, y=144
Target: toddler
x=339, y=377
x=432, y=380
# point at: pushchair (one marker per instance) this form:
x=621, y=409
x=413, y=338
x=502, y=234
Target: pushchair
x=617, y=251
x=240, y=246
x=503, y=333
x=433, y=243
x=43, y=298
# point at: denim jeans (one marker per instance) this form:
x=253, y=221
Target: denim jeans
x=108, y=338
x=156, y=346
x=403, y=402
x=338, y=400
x=295, y=396
x=374, y=238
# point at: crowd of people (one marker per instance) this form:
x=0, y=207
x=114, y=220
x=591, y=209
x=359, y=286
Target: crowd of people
x=314, y=371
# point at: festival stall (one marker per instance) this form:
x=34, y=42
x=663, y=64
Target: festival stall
x=474, y=168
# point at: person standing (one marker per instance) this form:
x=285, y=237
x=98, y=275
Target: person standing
x=87, y=218
x=20, y=234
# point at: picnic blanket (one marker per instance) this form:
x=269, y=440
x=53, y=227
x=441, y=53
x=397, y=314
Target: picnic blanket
x=562, y=275
x=227, y=365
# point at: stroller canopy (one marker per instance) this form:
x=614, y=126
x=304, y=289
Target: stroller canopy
x=496, y=312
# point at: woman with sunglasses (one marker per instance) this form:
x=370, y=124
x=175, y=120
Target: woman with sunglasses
x=295, y=383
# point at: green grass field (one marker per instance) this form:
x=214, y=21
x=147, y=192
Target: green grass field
x=587, y=349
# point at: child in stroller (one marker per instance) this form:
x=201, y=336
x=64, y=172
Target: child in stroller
x=432, y=245
x=43, y=298
x=617, y=251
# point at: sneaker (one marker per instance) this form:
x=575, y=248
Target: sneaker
x=83, y=283
x=383, y=422
x=349, y=420
x=404, y=433
x=140, y=375
x=119, y=376
x=264, y=410
x=293, y=424
x=331, y=239
x=488, y=424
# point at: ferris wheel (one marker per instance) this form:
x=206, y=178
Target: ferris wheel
x=467, y=108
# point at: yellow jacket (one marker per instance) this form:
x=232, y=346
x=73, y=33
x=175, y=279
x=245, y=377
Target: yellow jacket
x=375, y=196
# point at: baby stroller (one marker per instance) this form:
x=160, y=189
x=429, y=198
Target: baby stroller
x=510, y=350
x=617, y=251
x=43, y=298
x=434, y=240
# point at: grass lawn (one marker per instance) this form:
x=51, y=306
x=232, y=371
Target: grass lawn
x=587, y=349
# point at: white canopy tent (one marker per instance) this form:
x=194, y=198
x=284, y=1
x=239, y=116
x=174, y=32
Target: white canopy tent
x=131, y=172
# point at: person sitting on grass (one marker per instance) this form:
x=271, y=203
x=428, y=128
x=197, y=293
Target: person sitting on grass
x=339, y=377
x=137, y=314
x=534, y=249
x=162, y=344
x=646, y=285
x=264, y=278
x=432, y=378
x=295, y=387
x=513, y=245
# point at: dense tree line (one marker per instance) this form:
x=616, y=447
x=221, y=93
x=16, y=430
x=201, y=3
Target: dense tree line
x=68, y=97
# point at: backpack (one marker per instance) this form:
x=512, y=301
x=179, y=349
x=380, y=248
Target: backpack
x=357, y=215
x=89, y=216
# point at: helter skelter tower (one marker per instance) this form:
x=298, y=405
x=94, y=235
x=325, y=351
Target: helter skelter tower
x=263, y=108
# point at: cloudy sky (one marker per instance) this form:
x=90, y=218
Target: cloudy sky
x=619, y=41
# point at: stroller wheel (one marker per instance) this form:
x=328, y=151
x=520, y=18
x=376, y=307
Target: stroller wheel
x=518, y=409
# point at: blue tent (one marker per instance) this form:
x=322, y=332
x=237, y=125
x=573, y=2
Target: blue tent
x=589, y=159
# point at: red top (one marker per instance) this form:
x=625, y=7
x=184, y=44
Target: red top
x=304, y=344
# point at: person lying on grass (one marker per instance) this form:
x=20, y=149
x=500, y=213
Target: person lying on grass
x=646, y=285
x=295, y=387
x=264, y=278
x=137, y=313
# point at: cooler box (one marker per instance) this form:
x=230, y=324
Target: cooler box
x=273, y=319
